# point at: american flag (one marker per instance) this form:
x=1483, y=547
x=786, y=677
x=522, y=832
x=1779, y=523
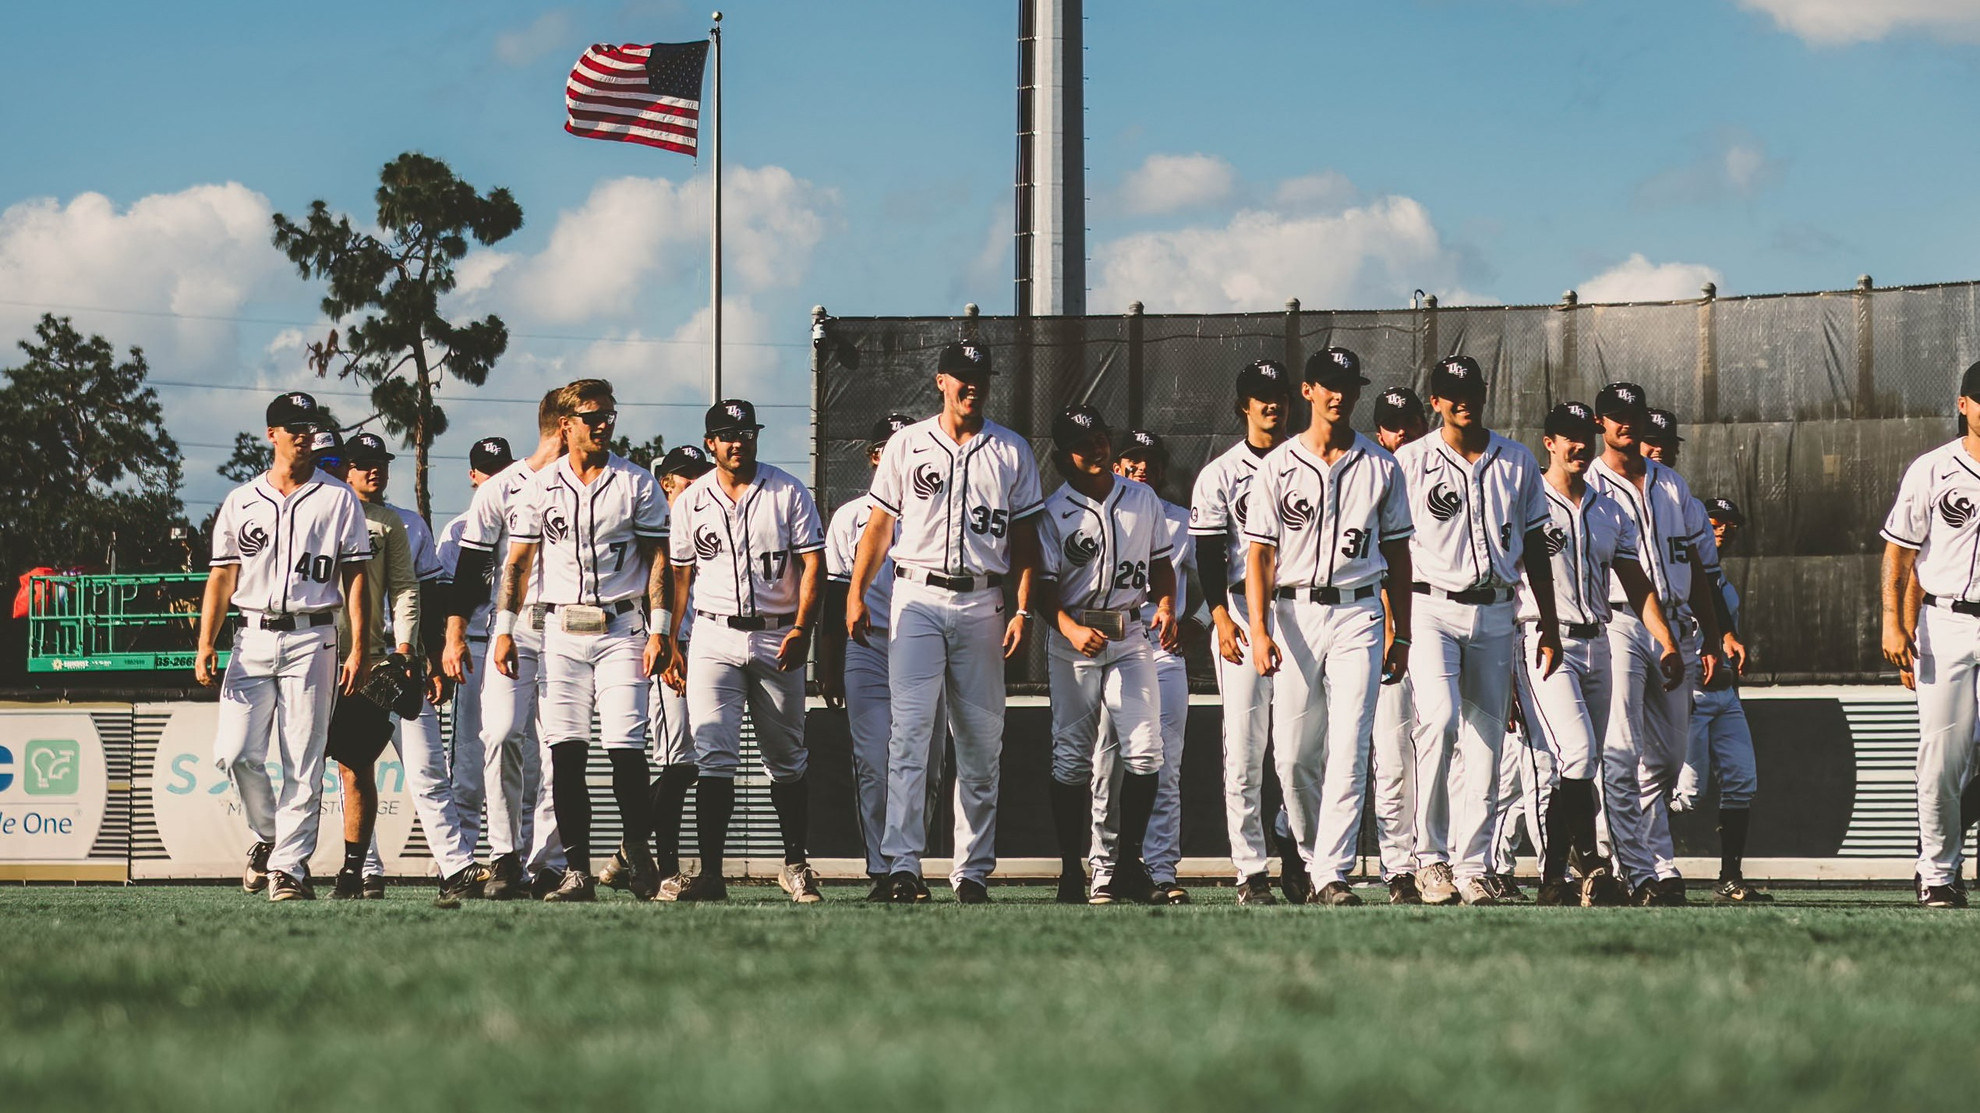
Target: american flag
x=638, y=94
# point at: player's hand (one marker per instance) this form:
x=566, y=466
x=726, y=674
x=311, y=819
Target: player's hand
x=657, y=655
x=1013, y=635
x=1908, y=678
x=1265, y=654
x=1395, y=661
x=1671, y=664
x=1735, y=653
x=455, y=660
x=858, y=622
x=1899, y=648
x=1168, y=632
x=795, y=647
x=675, y=676
x=1088, y=641
x=1230, y=639
x=1547, y=649
x=352, y=673
x=1708, y=667
x=436, y=687
x=206, y=665
x=503, y=652
x=832, y=689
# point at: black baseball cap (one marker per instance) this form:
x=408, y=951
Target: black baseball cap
x=684, y=459
x=1077, y=424
x=1334, y=368
x=490, y=455
x=1619, y=399
x=885, y=428
x=1661, y=427
x=294, y=408
x=965, y=359
x=1143, y=443
x=1724, y=510
x=1396, y=406
x=366, y=448
x=1264, y=378
x=1572, y=419
x=728, y=416
x=1969, y=383
x=1457, y=377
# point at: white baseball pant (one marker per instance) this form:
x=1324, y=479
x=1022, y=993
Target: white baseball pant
x=1392, y=769
x=1461, y=659
x=1161, y=848
x=869, y=716
x=511, y=752
x=279, y=687
x=732, y=668
x=423, y=755
x=947, y=649
x=1566, y=716
x=673, y=743
x=603, y=674
x=1642, y=750
x=1721, y=743
x=1247, y=726
x=1323, y=713
x=465, y=761
x=1119, y=681
x=1948, y=675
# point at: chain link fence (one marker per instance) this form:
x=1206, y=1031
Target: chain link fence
x=1803, y=408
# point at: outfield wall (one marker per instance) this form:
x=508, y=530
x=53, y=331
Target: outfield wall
x=128, y=791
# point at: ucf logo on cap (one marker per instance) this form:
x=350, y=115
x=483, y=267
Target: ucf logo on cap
x=734, y=411
x=302, y=401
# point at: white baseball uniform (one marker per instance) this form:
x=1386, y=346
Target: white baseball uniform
x=281, y=680
x=1649, y=728
x=1392, y=773
x=465, y=757
x=956, y=504
x=1471, y=518
x=673, y=743
x=1219, y=505
x=744, y=552
x=1721, y=741
x=1935, y=514
x=869, y=712
x=1327, y=523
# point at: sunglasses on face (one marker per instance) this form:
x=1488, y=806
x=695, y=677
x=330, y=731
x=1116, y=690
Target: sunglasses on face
x=299, y=428
x=735, y=436
x=596, y=418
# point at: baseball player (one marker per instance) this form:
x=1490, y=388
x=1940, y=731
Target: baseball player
x=963, y=491
x=1105, y=545
x=1475, y=497
x=1329, y=516
x=749, y=543
x=599, y=523
x=289, y=550
x=854, y=676
x=1566, y=714
x=1648, y=729
x=1932, y=533
x=1399, y=419
x=1145, y=459
x=1218, y=507
x=522, y=828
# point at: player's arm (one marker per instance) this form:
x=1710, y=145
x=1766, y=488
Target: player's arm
x=356, y=577
x=510, y=591
x=832, y=644
x=1214, y=585
x=1025, y=560
x=1704, y=592
x=1899, y=574
x=1261, y=571
x=872, y=553
x=797, y=643
x=1540, y=579
x=1398, y=594
x=220, y=582
x=1642, y=597
x=1914, y=598
x=1162, y=587
x=660, y=596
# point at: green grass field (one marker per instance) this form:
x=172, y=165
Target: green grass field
x=203, y=998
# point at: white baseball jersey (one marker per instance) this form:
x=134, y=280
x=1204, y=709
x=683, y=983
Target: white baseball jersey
x=1584, y=540
x=1328, y=521
x=956, y=503
x=590, y=533
x=1935, y=514
x=487, y=518
x=426, y=555
x=289, y=548
x=1101, y=552
x=448, y=549
x=1471, y=518
x=744, y=551
x=842, y=536
x=1672, y=531
x=1182, y=555
x=1221, y=501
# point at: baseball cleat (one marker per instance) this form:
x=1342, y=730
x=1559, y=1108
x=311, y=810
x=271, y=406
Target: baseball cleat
x=1506, y=888
x=1602, y=889
x=505, y=879
x=882, y=891
x=1671, y=892
x=544, y=882
x=1735, y=890
x=642, y=875
x=1436, y=884
x=1402, y=889
x=1294, y=881
x=1131, y=882
x=1256, y=890
x=617, y=873
x=704, y=888
x=577, y=888
x=1169, y=892
x=1556, y=894
x=971, y=891
x=255, y=877
x=1072, y=889
x=1939, y=896
x=1478, y=893
x=1336, y=893
x=801, y=882
x=374, y=887
x=1104, y=892
x=282, y=886
x=671, y=887
x=909, y=888
x=349, y=885
x=465, y=885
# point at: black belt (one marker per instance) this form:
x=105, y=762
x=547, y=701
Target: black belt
x=956, y=584
x=749, y=622
x=1476, y=597
x=1328, y=595
x=1956, y=606
x=1578, y=629
x=305, y=621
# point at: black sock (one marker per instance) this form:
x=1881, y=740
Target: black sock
x=354, y=855
x=1732, y=841
x=629, y=789
x=1581, y=819
x=570, y=798
x=1137, y=804
x=1072, y=815
x=714, y=800
x=792, y=799
x=665, y=804
x=1560, y=820
x=1969, y=807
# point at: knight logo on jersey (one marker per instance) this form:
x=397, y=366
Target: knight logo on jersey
x=1444, y=503
x=1080, y=549
x=555, y=527
x=1957, y=511
x=252, y=539
x=1556, y=539
x=707, y=545
x=927, y=482
x=1296, y=511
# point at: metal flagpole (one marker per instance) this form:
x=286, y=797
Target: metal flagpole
x=715, y=182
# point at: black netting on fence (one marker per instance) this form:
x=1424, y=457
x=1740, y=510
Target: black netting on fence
x=1803, y=408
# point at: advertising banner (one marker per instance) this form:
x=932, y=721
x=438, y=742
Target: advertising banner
x=53, y=784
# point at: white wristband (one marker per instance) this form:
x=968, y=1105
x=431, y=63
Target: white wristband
x=505, y=624
x=666, y=624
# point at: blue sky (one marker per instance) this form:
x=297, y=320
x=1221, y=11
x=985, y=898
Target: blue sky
x=1239, y=153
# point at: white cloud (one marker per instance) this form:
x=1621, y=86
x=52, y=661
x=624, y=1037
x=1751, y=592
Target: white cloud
x=1172, y=183
x=1638, y=279
x=1731, y=165
x=524, y=45
x=1327, y=191
x=1841, y=22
